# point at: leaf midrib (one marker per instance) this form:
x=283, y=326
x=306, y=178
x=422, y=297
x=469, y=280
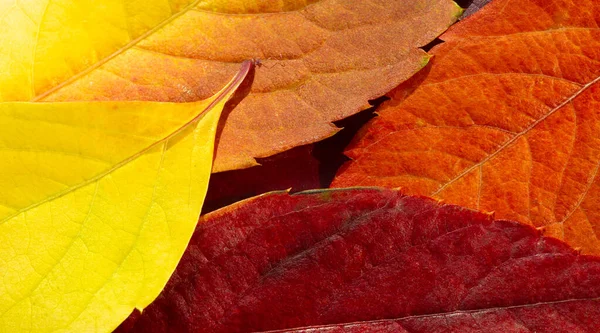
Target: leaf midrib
x=121, y=50
x=231, y=86
x=517, y=136
x=444, y=314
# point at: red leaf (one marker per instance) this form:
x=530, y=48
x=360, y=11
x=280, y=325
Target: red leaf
x=569, y=316
x=341, y=256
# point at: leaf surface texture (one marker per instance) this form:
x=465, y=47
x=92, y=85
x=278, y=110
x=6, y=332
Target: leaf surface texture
x=349, y=257
x=98, y=202
x=506, y=120
x=322, y=60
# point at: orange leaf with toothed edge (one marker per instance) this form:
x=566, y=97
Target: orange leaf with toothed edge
x=322, y=60
x=506, y=119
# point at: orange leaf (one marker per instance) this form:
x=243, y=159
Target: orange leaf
x=322, y=60
x=506, y=119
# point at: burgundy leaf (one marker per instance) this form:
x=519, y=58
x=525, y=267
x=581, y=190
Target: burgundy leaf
x=353, y=256
x=567, y=316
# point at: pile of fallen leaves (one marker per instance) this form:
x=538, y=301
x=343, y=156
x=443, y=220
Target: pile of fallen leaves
x=377, y=166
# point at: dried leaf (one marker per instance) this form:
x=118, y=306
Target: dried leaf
x=98, y=202
x=322, y=60
x=348, y=256
x=506, y=119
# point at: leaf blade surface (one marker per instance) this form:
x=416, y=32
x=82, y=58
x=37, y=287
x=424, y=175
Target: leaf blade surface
x=504, y=121
x=322, y=59
x=568, y=316
x=99, y=201
x=329, y=257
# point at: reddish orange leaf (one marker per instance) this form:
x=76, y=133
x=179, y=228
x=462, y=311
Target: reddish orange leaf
x=321, y=60
x=352, y=256
x=506, y=119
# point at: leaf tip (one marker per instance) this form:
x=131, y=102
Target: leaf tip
x=425, y=61
x=459, y=10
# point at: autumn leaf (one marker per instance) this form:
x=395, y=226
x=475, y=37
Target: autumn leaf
x=98, y=202
x=349, y=256
x=506, y=119
x=322, y=60
x=568, y=316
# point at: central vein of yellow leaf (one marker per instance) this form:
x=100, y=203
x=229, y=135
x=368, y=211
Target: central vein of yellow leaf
x=126, y=47
x=226, y=92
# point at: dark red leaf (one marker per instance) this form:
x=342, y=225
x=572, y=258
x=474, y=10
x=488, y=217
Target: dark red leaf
x=568, y=316
x=345, y=256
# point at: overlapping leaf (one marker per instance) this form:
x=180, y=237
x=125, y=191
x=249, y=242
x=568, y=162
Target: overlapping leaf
x=322, y=59
x=506, y=119
x=98, y=201
x=474, y=6
x=353, y=256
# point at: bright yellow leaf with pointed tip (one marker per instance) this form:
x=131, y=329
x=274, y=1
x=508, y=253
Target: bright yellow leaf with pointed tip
x=97, y=204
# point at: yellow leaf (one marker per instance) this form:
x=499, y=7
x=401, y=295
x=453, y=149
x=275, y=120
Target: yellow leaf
x=45, y=42
x=98, y=201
